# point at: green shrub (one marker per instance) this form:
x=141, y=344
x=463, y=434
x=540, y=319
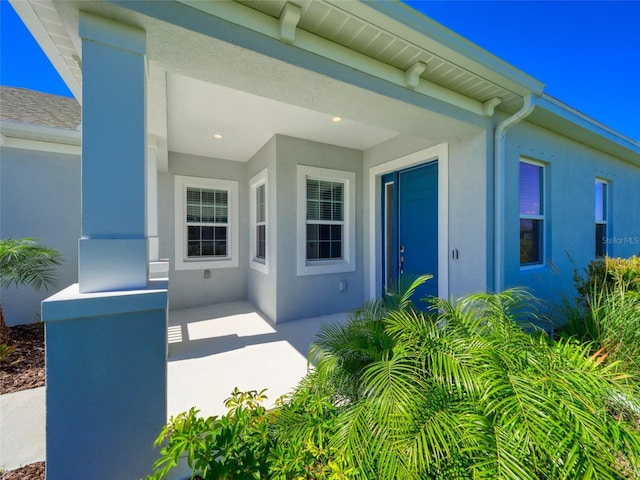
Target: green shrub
x=606, y=274
x=234, y=446
x=463, y=392
x=607, y=310
x=467, y=393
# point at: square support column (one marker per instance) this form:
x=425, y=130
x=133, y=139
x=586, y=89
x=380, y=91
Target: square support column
x=113, y=248
x=106, y=356
x=106, y=337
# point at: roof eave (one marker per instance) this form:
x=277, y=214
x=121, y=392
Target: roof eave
x=413, y=26
x=70, y=76
x=584, y=129
x=41, y=133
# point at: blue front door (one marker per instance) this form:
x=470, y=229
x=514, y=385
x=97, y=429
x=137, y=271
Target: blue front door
x=410, y=226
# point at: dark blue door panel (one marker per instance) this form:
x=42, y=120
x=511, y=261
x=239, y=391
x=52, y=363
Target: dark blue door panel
x=418, y=225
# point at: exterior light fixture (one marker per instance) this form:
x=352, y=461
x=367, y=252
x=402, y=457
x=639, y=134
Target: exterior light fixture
x=336, y=119
x=217, y=136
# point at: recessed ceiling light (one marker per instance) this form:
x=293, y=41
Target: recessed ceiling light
x=217, y=136
x=336, y=119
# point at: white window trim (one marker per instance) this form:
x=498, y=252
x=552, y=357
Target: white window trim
x=259, y=264
x=348, y=261
x=181, y=261
x=605, y=211
x=543, y=217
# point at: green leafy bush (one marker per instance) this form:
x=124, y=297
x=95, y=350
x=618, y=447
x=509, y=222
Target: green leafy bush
x=466, y=393
x=23, y=262
x=607, y=310
x=463, y=392
x=234, y=446
x=606, y=274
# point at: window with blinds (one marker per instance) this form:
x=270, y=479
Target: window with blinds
x=207, y=222
x=531, y=213
x=325, y=219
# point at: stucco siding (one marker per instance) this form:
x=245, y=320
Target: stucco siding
x=312, y=295
x=262, y=286
x=40, y=198
x=190, y=288
x=468, y=216
x=570, y=172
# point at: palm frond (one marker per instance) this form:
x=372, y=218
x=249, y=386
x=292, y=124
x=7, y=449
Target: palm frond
x=26, y=262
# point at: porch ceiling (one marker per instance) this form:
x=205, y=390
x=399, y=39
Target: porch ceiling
x=197, y=110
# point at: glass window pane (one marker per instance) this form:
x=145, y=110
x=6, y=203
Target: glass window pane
x=312, y=251
x=193, y=233
x=208, y=214
x=336, y=232
x=601, y=201
x=338, y=192
x=207, y=233
x=325, y=249
x=221, y=215
x=261, y=244
x=325, y=211
x=193, y=213
x=208, y=197
x=312, y=232
x=601, y=239
x=336, y=249
x=193, y=195
x=530, y=241
x=530, y=189
x=193, y=249
x=220, y=197
x=220, y=249
x=313, y=210
x=207, y=249
x=220, y=233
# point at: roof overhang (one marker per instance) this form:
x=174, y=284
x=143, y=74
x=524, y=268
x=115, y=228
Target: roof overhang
x=554, y=115
x=40, y=138
x=399, y=53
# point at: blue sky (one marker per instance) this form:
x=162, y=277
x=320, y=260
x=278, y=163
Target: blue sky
x=586, y=52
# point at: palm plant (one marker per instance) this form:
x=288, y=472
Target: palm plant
x=466, y=393
x=25, y=262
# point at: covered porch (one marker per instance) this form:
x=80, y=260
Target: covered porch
x=211, y=350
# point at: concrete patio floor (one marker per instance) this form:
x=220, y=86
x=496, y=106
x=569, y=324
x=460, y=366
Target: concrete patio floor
x=211, y=350
x=216, y=348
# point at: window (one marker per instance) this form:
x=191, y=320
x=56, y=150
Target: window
x=531, y=213
x=206, y=222
x=326, y=221
x=601, y=193
x=259, y=229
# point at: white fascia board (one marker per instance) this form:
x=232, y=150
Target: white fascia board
x=587, y=130
x=249, y=18
x=40, y=138
x=29, y=17
x=403, y=21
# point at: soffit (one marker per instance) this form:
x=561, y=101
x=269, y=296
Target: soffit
x=51, y=33
x=345, y=29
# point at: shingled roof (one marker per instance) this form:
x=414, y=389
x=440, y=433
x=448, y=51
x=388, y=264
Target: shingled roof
x=37, y=108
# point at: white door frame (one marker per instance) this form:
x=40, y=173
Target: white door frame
x=441, y=154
